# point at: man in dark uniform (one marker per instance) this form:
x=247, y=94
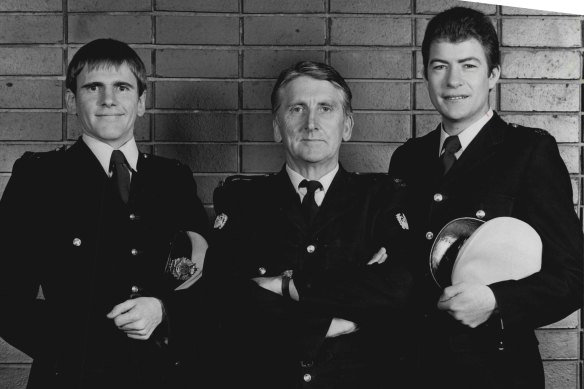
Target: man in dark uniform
x=474, y=164
x=306, y=295
x=91, y=225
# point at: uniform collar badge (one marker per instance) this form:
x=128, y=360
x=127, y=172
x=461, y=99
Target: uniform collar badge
x=220, y=221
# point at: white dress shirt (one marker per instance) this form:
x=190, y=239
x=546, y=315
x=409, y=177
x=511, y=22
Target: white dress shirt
x=103, y=153
x=326, y=180
x=467, y=135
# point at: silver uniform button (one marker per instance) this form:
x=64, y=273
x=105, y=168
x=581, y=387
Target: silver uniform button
x=438, y=197
x=307, y=377
x=480, y=214
x=262, y=271
x=77, y=242
x=132, y=216
x=429, y=235
x=135, y=289
x=134, y=252
x=310, y=249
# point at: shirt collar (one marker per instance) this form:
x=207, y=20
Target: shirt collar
x=103, y=152
x=326, y=180
x=467, y=135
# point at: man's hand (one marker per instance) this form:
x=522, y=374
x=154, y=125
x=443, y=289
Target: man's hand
x=470, y=304
x=340, y=327
x=274, y=284
x=379, y=257
x=138, y=317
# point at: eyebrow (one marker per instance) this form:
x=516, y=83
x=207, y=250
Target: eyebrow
x=458, y=60
x=99, y=83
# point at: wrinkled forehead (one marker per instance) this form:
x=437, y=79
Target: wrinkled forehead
x=309, y=89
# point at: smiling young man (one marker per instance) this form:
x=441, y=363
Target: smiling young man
x=476, y=165
x=298, y=256
x=91, y=225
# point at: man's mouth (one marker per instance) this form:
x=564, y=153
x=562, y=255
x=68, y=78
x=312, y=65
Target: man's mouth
x=454, y=98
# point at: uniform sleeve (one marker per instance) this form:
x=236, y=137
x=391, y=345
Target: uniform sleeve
x=25, y=323
x=192, y=213
x=546, y=203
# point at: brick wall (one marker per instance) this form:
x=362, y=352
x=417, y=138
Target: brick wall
x=211, y=66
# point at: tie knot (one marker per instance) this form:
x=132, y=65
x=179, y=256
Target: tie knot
x=310, y=185
x=452, y=144
x=117, y=158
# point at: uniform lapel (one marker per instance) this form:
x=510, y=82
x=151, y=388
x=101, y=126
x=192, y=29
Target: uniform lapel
x=480, y=150
x=339, y=200
x=85, y=175
x=285, y=198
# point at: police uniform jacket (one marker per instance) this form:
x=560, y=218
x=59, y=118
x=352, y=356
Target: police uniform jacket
x=64, y=228
x=276, y=342
x=507, y=170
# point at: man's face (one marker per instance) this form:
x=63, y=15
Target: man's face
x=459, y=82
x=107, y=103
x=311, y=123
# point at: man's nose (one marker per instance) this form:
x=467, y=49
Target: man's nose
x=454, y=78
x=107, y=97
x=311, y=120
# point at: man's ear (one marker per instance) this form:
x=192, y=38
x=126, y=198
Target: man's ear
x=71, y=102
x=276, y=127
x=348, y=127
x=494, y=76
x=142, y=104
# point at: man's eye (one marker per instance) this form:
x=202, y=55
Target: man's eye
x=439, y=67
x=326, y=108
x=92, y=88
x=296, y=109
x=123, y=88
x=469, y=66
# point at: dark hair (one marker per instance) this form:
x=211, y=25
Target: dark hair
x=460, y=24
x=105, y=53
x=318, y=71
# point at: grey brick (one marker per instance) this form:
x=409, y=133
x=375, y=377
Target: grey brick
x=283, y=6
x=373, y=63
x=196, y=127
x=196, y=94
x=31, y=29
x=202, y=158
x=284, y=30
x=31, y=61
x=40, y=126
x=197, y=30
x=541, y=32
x=268, y=63
x=371, y=31
x=371, y=6
x=541, y=64
x=197, y=63
x=108, y=5
x=127, y=28
x=381, y=127
x=380, y=95
x=198, y=5
x=23, y=93
x=540, y=97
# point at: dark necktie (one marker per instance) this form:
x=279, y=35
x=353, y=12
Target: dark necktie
x=451, y=146
x=309, y=206
x=120, y=174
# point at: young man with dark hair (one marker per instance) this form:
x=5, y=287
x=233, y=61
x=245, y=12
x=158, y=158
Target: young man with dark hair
x=298, y=257
x=91, y=225
x=476, y=165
